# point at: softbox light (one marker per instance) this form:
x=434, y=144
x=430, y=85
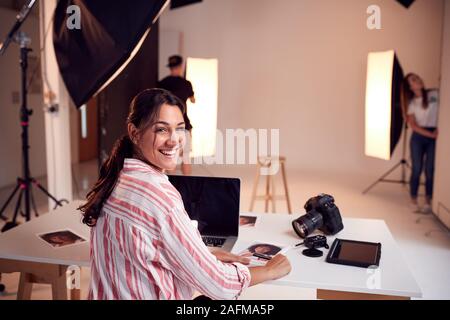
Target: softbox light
x=203, y=74
x=181, y=3
x=406, y=3
x=110, y=34
x=383, y=118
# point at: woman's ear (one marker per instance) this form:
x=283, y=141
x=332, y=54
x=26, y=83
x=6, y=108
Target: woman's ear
x=133, y=133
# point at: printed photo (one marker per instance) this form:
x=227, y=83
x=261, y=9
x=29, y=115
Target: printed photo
x=247, y=221
x=260, y=252
x=61, y=238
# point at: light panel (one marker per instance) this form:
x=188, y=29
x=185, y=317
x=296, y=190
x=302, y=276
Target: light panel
x=203, y=74
x=379, y=104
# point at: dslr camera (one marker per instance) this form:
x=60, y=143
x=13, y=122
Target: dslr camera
x=322, y=214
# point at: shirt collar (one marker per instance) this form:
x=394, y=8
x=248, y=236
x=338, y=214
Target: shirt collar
x=132, y=164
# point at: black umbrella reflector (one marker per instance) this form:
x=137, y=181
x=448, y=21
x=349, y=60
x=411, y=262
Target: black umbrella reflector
x=109, y=35
x=181, y=3
x=406, y=3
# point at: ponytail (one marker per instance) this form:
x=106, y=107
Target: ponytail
x=109, y=174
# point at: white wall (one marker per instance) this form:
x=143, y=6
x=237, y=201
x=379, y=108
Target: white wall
x=300, y=65
x=441, y=201
x=10, y=141
x=74, y=115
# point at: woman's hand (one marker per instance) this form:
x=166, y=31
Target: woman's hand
x=228, y=257
x=278, y=266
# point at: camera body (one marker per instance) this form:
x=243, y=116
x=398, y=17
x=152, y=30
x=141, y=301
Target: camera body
x=322, y=214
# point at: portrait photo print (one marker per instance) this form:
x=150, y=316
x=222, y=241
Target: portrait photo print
x=61, y=238
x=247, y=221
x=260, y=252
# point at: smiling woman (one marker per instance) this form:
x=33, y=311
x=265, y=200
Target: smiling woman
x=153, y=114
x=143, y=245
x=161, y=143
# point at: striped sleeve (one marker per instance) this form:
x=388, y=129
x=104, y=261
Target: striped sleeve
x=184, y=253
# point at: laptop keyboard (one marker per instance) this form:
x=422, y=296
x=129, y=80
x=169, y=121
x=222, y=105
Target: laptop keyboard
x=213, y=241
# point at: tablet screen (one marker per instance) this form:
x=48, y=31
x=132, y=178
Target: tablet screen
x=361, y=252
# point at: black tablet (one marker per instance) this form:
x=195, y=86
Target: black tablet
x=354, y=253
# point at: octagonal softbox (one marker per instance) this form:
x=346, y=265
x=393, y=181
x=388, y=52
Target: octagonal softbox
x=109, y=35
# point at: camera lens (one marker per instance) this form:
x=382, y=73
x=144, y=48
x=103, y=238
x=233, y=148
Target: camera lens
x=300, y=228
x=307, y=223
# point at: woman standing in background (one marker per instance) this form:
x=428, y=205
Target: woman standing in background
x=422, y=116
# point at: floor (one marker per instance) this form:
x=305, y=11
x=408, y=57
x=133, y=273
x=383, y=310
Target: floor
x=424, y=241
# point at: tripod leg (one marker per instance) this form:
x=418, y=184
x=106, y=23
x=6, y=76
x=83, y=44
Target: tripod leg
x=18, y=203
x=382, y=177
x=9, y=199
x=33, y=203
x=57, y=202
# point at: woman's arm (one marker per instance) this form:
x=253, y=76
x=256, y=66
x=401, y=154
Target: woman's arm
x=416, y=128
x=277, y=267
x=183, y=252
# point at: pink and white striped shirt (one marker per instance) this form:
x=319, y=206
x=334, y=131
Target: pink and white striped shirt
x=144, y=245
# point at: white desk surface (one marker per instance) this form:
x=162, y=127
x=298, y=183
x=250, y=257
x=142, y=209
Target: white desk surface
x=22, y=243
x=394, y=275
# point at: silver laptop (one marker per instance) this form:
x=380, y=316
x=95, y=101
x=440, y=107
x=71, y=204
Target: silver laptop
x=214, y=203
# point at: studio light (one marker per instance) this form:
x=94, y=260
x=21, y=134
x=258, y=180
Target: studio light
x=203, y=74
x=25, y=199
x=406, y=3
x=181, y=3
x=109, y=36
x=383, y=119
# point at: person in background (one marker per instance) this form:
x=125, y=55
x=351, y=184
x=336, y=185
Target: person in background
x=143, y=244
x=421, y=112
x=182, y=88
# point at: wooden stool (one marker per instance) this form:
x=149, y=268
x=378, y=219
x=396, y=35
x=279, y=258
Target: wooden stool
x=266, y=163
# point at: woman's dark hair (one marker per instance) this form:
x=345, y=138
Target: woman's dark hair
x=408, y=94
x=144, y=109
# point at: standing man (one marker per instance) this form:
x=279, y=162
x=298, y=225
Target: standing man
x=182, y=88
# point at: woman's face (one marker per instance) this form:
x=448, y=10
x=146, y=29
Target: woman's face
x=60, y=239
x=162, y=142
x=262, y=249
x=243, y=220
x=415, y=83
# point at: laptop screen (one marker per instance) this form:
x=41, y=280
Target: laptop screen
x=213, y=202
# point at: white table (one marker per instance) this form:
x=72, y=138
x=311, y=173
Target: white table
x=22, y=251
x=392, y=280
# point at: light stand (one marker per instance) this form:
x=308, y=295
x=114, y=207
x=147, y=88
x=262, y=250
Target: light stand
x=24, y=183
x=403, y=163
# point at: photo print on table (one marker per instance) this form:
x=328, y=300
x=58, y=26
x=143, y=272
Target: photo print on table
x=247, y=221
x=260, y=252
x=61, y=238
